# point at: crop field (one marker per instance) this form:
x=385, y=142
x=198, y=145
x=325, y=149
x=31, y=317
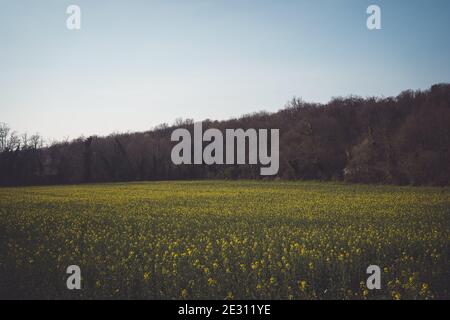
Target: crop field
x=225, y=240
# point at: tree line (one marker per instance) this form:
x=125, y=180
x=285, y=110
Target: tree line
x=402, y=140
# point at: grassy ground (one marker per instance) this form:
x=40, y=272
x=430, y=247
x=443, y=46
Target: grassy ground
x=218, y=240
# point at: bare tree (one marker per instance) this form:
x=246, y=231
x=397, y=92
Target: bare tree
x=36, y=141
x=24, y=140
x=13, y=142
x=4, y=133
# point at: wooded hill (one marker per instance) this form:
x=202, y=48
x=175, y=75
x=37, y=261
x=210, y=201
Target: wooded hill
x=395, y=140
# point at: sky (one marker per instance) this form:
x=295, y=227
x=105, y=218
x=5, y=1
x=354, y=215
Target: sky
x=138, y=63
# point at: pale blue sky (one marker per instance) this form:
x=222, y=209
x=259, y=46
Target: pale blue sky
x=136, y=64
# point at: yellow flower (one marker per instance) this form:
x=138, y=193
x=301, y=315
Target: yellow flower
x=230, y=296
x=302, y=285
x=396, y=295
x=212, y=282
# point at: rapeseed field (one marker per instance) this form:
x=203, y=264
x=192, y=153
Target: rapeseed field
x=225, y=240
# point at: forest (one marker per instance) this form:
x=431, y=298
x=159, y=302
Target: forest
x=402, y=140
